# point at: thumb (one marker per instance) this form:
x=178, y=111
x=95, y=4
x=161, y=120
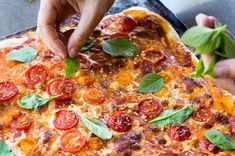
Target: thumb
x=91, y=15
x=225, y=69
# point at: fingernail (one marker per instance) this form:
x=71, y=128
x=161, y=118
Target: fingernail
x=73, y=52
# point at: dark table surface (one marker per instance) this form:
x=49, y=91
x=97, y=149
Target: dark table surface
x=16, y=15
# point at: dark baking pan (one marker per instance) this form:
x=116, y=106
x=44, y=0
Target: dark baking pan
x=119, y=5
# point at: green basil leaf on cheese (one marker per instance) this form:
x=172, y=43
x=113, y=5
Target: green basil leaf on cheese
x=71, y=66
x=4, y=149
x=87, y=45
x=151, y=83
x=119, y=46
x=171, y=116
x=219, y=139
x=33, y=101
x=97, y=127
x=25, y=54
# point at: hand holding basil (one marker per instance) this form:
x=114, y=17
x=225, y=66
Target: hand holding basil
x=206, y=40
x=173, y=116
x=151, y=83
x=33, y=101
x=219, y=139
x=97, y=127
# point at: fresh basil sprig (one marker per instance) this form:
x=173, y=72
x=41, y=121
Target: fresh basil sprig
x=198, y=70
x=25, y=54
x=119, y=46
x=173, y=116
x=97, y=127
x=4, y=149
x=219, y=139
x=151, y=83
x=33, y=101
x=87, y=45
x=71, y=66
x=206, y=40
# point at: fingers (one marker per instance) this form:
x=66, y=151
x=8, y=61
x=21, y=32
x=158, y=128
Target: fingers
x=225, y=68
x=91, y=14
x=46, y=28
x=227, y=84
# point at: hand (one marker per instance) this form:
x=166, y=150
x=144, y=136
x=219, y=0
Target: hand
x=52, y=12
x=224, y=70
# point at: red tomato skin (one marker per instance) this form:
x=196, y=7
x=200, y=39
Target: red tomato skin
x=98, y=98
x=13, y=90
x=205, y=145
x=179, y=132
x=62, y=114
x=128, y=23
x=119, y=121
x=74, y=150
x=150, y=107
x=57, y=87
x=28, y=77
x=203, y=114
x=25, y=126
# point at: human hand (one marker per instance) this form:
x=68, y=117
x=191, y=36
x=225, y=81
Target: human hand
x=52, y=12
x=224, y=70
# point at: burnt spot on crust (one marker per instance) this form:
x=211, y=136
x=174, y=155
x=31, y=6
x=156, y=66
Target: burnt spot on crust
x=128, y=142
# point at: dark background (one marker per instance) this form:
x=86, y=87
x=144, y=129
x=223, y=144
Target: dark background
x=16, y=15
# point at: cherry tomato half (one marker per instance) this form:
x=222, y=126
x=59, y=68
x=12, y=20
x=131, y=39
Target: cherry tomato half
x=37, y=74
x=119, y=121
x=179, y=132
x=21, y=122
x=64, y=88
x=205, y=145
x=7, y=90
x=203, y=114
x=128, y=23
x=65, y=119
x=72, y=141
x=93, y=96
x=150, y=107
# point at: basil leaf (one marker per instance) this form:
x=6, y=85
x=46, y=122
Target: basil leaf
x=197, y=36
x=198, y=70
x=219, y=139
x=211, y=66
x=4, y=149
x=87, y=45
x=151, y=83
x=25, y=54
x=97, y=127
x=119, y=46
x=208, y=47
x=173, y=116
x=33, y=101
x=71, y=66
x=229, y=46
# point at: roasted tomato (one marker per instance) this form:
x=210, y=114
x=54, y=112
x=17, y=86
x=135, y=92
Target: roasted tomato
x=179, y=132
x=150, y=107
x=72, y=141
x=7, y=90
x=93, y=96
x=21, y=122
x=205, y=145
x=65, y=119
x=203, y=114
x=85, y=64
x=63, y=88
x=119, y=121
x=128, y=23
x=36, y=74
x=155, y=56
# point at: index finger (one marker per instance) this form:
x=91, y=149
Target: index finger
x=46, y=28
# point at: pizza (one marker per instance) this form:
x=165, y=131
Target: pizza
x=132, y=95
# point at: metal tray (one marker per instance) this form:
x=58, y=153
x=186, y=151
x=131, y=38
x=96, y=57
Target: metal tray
x=119, y=5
